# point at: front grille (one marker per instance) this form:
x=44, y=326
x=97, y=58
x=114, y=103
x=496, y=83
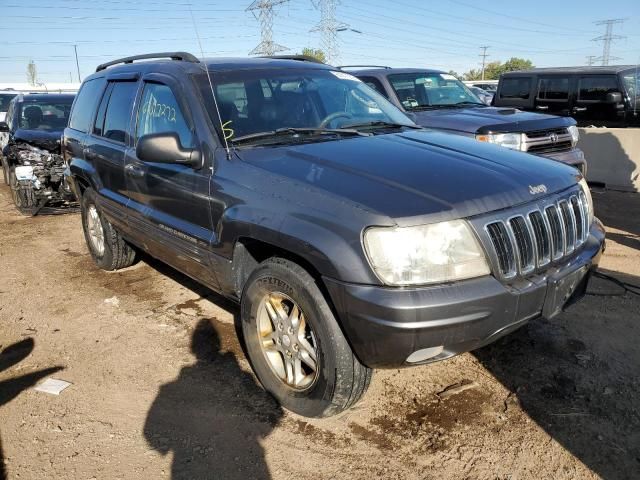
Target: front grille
x=550, y=147
x=546, y=133
x=529, y=241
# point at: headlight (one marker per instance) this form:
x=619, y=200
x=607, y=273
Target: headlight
x=575, y=134
x=434, y=253
x=509, y=140
x=587, y=199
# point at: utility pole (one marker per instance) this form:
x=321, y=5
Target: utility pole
x=263, y=11
x=484, y=56
x=329, y=27
x=607, y=38
x=591, y=59
x=75, y=49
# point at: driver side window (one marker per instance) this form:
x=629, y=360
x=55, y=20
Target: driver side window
x=160, y=112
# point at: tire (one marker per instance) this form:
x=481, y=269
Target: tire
x=24, y=197
x=115, y=253
x=339, y=381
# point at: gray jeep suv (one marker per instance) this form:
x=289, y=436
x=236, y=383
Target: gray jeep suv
x=351, y=238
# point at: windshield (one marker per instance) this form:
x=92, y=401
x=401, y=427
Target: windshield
x=252, y=102
x=423, y=90
x=44, y=115
x=5, y=99
x=631, y=82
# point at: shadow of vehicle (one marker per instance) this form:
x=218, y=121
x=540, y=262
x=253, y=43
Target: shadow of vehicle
x=619, y=210
x=213, y=416
x=576, y=376
x=608, y=160
x=11, y=387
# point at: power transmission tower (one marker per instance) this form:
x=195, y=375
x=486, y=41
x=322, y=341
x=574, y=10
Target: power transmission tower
x=591, y=59
x=607, y=38
x=329, y=28
x=484, y=56
x=264, y=12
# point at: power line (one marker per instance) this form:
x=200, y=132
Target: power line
x=75, y=49
x=484, y=56
x=265, y=16
x=607, y=38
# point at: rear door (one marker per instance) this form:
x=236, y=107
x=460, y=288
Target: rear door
x=553, y=94
x=106, y=146
x=169, y=203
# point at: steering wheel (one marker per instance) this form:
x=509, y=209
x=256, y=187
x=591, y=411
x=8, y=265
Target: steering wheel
x=332, y=116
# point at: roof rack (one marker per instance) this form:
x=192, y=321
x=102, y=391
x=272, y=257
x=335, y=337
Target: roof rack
x=341, y=67
x=300, y=58
x=181, y=56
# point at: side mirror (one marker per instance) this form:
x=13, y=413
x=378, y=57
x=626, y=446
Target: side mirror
x=614, y=97
x=166, y=148
x=4, y=127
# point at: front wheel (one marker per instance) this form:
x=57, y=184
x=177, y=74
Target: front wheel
x=295, y=344
x=24, y=196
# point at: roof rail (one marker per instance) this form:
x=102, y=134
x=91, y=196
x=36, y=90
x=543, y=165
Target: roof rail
x=341, y=67
x=181, y=56
x=300, y=58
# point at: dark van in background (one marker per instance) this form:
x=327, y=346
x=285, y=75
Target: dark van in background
x=599, y=96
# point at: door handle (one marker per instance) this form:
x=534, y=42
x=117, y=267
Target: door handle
x=88, y=153
x=134, y=170
x=579, y=109
x=542, y=107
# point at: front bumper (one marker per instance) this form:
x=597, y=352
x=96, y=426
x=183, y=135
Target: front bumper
x=573, y=157
x=386, y=325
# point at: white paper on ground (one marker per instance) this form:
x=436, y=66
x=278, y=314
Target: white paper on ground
x=52, y=386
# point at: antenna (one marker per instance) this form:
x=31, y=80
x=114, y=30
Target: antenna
x=213, y=93
x=266, y=47
x=607, y=38
x=328, y=27
x=484, y=56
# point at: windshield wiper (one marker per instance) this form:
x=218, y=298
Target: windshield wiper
x=296, y=131
x=380, y=123
x=470, y=103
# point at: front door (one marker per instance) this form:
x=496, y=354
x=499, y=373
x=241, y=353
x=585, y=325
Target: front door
x=169, y=203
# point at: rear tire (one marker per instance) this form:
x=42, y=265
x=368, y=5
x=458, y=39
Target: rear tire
x=339, y=379
x=24, y=197
x=107, y=247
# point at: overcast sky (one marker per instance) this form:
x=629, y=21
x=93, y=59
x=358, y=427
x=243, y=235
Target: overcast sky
x=445, y=34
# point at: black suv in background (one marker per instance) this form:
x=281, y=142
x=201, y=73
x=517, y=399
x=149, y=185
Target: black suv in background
x=32, y=163
x=351, y=238
x=439, y=100
x=600, y=96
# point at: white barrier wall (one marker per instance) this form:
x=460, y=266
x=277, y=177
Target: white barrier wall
x=613, y=156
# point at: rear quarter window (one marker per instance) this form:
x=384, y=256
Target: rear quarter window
x=516, y=88
x=85, y=104
x=553, y=88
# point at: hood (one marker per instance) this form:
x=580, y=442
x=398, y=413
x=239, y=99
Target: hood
x=45, y=139
x=414, y=177
x=489, y=120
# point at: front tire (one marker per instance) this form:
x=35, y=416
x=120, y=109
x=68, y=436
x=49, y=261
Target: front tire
x=107, y=247
x=24, y=197
x=295, y=344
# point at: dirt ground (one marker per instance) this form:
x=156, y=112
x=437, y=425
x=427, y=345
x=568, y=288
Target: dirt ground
x=161, y=389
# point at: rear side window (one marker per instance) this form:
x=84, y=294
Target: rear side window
x=516, y=87
x=596, y=87
x=115, y=116
x=160, y=113
x=553, y=88
x=85, y=104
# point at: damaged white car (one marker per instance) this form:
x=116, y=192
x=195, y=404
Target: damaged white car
x=32, y=163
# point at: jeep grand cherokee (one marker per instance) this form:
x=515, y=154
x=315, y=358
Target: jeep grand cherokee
x=351, y=238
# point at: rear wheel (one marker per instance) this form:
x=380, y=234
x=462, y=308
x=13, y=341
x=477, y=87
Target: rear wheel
x=294, y=342
x=107, y=247
x=24, y=197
